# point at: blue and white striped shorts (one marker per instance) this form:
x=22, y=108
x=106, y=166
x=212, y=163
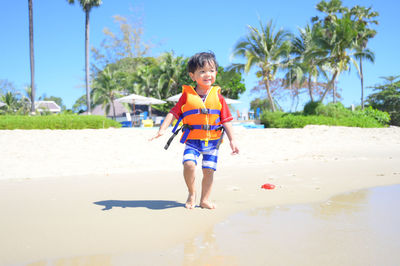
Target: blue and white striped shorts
x=210, y=157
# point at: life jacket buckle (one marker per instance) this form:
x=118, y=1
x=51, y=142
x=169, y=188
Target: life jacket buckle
x=206, y=127
x=204, y=111
x=219, y=128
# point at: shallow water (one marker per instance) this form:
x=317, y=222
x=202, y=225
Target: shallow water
x=355, y=228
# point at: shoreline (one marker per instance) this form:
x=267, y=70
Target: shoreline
x=133, y=200
x=116, y=215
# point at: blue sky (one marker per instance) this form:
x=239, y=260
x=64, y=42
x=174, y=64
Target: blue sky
x=186, y=27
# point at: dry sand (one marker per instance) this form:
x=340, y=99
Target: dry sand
x=93, y=196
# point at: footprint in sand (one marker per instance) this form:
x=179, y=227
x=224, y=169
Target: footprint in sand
x=233, y=188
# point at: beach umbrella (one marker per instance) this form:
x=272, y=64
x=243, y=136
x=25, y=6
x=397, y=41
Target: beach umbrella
x=176, y=97
x=132, y=99
x=150, y=101
x=2, y=104
x=231, y=101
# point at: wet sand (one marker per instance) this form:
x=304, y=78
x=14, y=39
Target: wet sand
x=354, y=228
x=98, y=197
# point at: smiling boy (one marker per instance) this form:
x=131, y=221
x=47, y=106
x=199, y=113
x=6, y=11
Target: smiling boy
x=205, y=116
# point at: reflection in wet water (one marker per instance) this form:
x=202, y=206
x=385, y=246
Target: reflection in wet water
x=348, y=203
x=203, y=250
x=355, y=228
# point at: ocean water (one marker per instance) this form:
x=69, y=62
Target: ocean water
x=354, y=228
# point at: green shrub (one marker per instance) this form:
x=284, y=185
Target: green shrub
x=56, y=122
x=336, y=110
x=380, y=116
x=271, y=119
x=282, y=120
x=310, y=108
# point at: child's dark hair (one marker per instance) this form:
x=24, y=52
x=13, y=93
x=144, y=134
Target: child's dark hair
x=199, y=60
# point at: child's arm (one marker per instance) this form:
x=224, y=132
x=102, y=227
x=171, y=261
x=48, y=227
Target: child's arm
x=229, y=132
x=167, y=121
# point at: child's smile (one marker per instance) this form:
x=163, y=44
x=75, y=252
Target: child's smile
x=205, y=76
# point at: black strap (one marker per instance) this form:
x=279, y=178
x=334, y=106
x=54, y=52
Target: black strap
x=183, y=127
x=222, y=136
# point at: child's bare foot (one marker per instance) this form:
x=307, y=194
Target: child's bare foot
x=191, y=201
x=208, y=205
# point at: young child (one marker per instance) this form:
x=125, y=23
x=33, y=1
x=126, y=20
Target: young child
x=204, y=113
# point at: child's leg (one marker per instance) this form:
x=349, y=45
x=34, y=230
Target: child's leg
x=189, y=168
x=207, y=183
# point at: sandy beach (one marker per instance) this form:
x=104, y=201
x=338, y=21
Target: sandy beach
x=107, y=197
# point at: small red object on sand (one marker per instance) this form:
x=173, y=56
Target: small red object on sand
x=268, y=186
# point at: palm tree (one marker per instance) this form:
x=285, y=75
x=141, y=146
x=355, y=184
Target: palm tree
x=265, y=49
x=107, y=88
x=306, y=63
x=363, y=17
x=337, y=38
x=15, y=103
x=173, y=70
x=87, y=6
x=11, y=102
x=146, y=81
x=31, y=53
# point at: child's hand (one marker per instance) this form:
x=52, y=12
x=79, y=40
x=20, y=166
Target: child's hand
x=235, y=149
x=159, y=134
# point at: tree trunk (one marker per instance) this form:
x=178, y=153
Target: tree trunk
x=334, y=92
x=332, y=81
x=310, y=88
x=87, y=11
x=362, y=85
x=32, y=58
x=113, y=107
x=270, y=99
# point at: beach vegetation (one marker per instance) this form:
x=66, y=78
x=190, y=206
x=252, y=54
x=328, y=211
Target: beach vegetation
x=311, y=62
x=125, y=47
x=363, y=18
x=387, y=98
x=310, y=108
x=336, y=35
x=31, y=58
x=106, y=88
x=333, y=114
x=62, y=121
x=305, y=67
x=87, y=6
x=261, y=104
x=14, y=103
x=265, y=49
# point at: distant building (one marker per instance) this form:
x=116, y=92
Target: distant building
x=47, y=106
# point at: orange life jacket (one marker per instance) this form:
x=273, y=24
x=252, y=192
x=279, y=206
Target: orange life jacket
x=201, y=119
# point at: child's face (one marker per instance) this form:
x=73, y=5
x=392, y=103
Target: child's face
x=205, y=76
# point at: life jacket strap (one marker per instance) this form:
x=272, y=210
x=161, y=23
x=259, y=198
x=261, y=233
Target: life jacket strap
x=204, y=111
x=187, y=129
x=221, y=138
